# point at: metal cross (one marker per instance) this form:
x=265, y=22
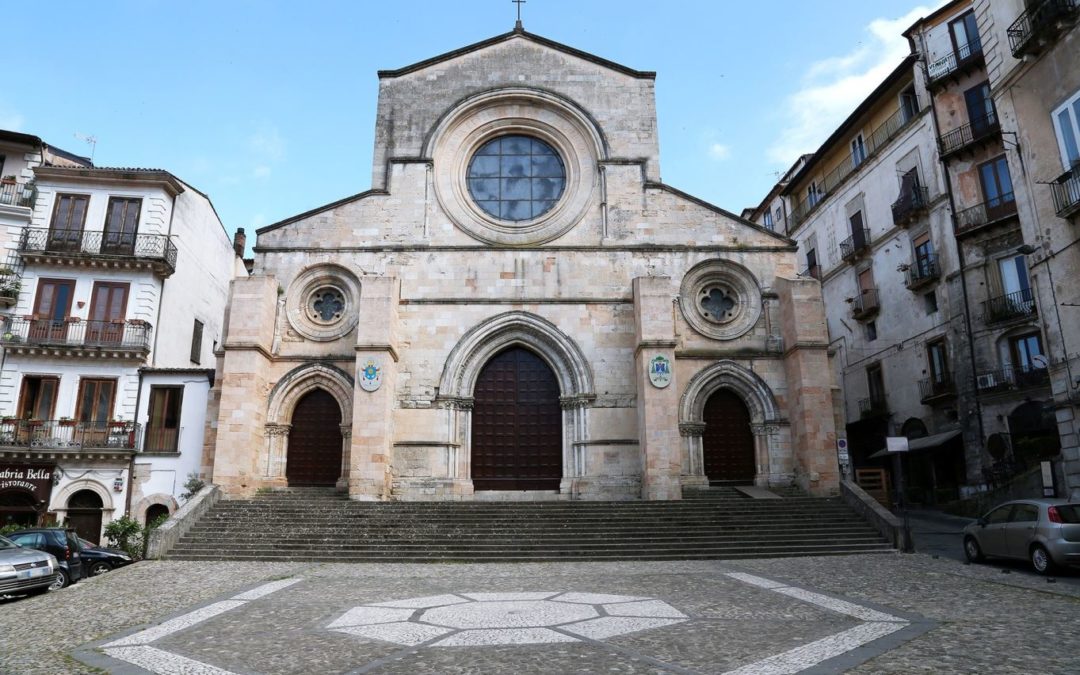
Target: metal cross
x=519, y=3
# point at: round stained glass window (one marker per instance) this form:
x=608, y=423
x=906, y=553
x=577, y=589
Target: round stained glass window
x=326, y=305
x=516, y=178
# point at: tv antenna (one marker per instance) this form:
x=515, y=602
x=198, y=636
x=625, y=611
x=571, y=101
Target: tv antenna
x=89, y=140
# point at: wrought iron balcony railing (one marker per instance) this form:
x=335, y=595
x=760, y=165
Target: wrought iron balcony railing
x=1012, y=377
x=978, y=129
x=914, y=202
x=873, y=406
x=1040, y=24
x=1010, y=306
x=1066, y=191
x=939, y=386
x=955, y=61
x=865, y=304
x=16, y=194
x=73, y=332
x=157, y=248
x=923, y=270
x=858, y=242
x=988, y=212
x=68, y=434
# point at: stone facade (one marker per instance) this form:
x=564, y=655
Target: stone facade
x=427, y=287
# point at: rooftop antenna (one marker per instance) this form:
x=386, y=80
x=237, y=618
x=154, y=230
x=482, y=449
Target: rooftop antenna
x=89, y=140
x=517, y=25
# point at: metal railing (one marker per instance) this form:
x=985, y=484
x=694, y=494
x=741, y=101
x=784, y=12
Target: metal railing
x=18, y=194
x=987, y=212
x=68, y=434
x=954, y=61
x=1066, y=191
x=923, y=270
x=1012, y=377
x=879, y=138
x=74, y=332
x=873, y=406
x=1038, y=23
x=915, y=201
x=856, y=243
x=1010, y=306
x=974, y=131
x=941, y=384
x=865, y=303
x=99, y=243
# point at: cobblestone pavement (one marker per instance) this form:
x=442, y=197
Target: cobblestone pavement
x=865, y=614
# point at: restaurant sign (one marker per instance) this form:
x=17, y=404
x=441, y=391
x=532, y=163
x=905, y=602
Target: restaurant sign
x=35, y=479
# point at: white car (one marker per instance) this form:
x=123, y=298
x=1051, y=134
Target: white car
x=1045, y=532
x=25, y=570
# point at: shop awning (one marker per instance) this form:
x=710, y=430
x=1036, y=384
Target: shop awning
x=924, y=443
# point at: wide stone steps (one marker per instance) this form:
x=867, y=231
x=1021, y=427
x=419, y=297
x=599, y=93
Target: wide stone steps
x=311, y=525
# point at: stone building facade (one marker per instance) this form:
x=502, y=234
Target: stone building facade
x=520, y=309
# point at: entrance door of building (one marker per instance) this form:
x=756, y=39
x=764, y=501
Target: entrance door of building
x=315, y=443
x=728, y=442
x=517, y=424
x=84, y=514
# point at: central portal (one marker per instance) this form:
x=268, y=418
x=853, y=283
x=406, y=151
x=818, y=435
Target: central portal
x=315, y=443
x=516, y=424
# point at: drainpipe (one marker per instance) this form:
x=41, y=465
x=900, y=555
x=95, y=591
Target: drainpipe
x=131, y=461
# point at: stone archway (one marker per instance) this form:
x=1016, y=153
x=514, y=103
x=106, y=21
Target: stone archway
x=84, y=514
x=62, y=498
x=289, y=391
x=560, y=353
x=771, y=433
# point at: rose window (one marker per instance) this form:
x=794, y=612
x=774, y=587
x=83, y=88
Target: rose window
x=717, y=304
x=326, y=305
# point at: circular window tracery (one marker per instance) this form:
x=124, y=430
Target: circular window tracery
x=718, y=303
x=516, y=178
x=720, y=299
x=326, y=305
x=321, y=302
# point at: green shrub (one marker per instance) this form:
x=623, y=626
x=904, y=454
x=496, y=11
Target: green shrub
x=126, y=534
x=192, y=486
x=7, y=529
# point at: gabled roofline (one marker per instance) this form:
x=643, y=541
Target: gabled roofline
x=716, y=209
x=947, y=8
x=558, y=46
x=846, y=126
x=319, y=209
x=20, y=138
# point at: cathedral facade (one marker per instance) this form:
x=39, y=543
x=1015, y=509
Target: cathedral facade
x=520, y=309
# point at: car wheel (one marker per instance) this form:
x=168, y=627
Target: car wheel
x=972, y=551
x=100, y=567
x=1040, y=560
x=62, y=580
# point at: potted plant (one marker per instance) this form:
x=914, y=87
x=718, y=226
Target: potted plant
x=67, y=422
x=8, y=179
x=9, y=291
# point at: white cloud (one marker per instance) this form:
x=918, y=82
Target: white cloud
x=833, y=87
x=267, y=144
x=719, y=151
x=261, y=171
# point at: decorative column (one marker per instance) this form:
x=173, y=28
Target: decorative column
x=346, y=451
x=575, y=429
x=277, y=452
x=693, y=462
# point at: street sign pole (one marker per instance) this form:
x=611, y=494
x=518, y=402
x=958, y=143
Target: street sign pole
x=897, y=445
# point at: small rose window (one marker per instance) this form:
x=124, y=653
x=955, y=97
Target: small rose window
x=326, y=305
x=717, y=303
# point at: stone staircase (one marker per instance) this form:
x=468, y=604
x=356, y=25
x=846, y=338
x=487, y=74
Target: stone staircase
x=314, y=524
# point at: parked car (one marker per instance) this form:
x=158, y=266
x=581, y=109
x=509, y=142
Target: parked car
x=1045, y=532
x=62, y=543
x=25, y=570
x=99, y=560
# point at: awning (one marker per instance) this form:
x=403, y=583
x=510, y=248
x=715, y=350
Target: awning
x=924, y=443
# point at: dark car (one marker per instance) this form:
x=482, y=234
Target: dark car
x=62, y=543
x=99, y=560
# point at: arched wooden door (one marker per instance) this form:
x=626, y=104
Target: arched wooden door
x=84, y=514
x=728, y=442
x=516, y=424
x=315, y=444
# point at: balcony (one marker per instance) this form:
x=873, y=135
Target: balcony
x=73, y=337
x=923, y=272
x=955, y=64
x=857, y=243
x=154, y=252
x=1018, y=305
x=865, y=305
x=1011, y=378
x=976, y=131
x=911, y=205
x=1066, y=191
x=875, y=406
x=940, y=387
x=989, y=212
x=1038, y=27
x=15, y=194
x=67, y=437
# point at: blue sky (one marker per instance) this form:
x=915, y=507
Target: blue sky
x=269, y=106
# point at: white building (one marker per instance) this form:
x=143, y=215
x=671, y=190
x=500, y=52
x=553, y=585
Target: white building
x=108, y=349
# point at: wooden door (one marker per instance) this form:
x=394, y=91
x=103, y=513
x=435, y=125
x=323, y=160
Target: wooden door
x=728, y=442
x=108, y=306
x=516, y=424
x=84, y=515
x=121, y=224
x=95, y=406
x=51, y=308
x=315, y=442
x=66, y=228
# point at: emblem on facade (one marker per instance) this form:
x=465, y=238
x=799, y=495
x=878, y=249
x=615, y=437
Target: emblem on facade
x=660, y=371
x=370, y=375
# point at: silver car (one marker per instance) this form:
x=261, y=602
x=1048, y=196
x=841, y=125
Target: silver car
x=25, y=570
x=1045, y=532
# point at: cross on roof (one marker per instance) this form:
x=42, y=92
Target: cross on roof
x=519, y=3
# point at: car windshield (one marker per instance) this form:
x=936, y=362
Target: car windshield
x=7, y=543
x=87, y=544
x=1070, y=513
